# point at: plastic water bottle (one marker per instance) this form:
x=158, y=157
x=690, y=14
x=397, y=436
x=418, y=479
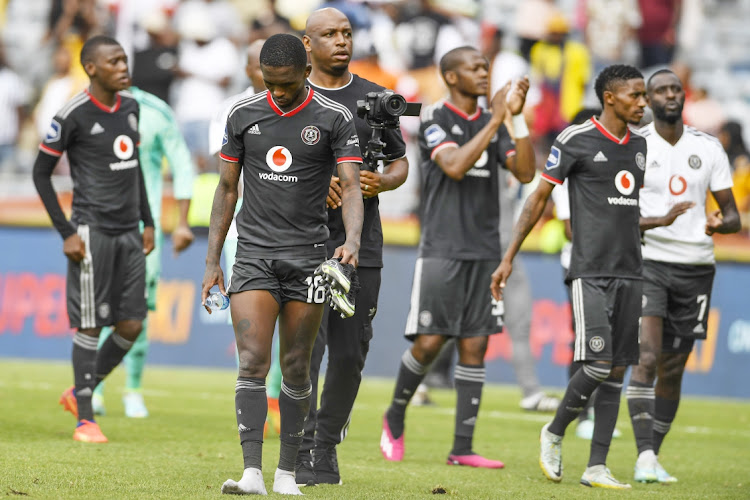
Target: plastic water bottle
x=217, y=301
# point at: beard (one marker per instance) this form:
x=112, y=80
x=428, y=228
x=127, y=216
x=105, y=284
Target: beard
x=670, y=117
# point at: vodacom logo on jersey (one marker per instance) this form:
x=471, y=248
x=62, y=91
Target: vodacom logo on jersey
x=278, y=159
x=478, y=169
x=625, y=184
x=677, y=185
x=124, y=149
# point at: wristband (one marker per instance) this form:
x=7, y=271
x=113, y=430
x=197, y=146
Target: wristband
x=520, y=129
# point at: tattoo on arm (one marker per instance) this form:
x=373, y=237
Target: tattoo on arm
x=352, y=207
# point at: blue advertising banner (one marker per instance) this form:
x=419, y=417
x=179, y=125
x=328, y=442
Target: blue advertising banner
x=34, y=323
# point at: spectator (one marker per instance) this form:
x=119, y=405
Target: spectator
x=384, y=17
x=220, y=12
x=561, y=67
x=13, y=98
x=657, y=33
x=730, y=136
x=60, y=88
x=206, y=65
x=731, y=139
x=71, y=23
x=532, y=17
x=269, y=23
x=130, y=19
x=423, y=36
x=704, y=112
x=154, y=66
x=608, y=27
x=369, y=68
x=505, y=65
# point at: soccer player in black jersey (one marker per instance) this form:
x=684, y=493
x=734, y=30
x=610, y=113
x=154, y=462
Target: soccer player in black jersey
x=287, y=141
x=328, y=40
x=604, y=162
x=462, y=147
x=106, y=252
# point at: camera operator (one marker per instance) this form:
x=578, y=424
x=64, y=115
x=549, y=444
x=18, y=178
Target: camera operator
x=328, y=40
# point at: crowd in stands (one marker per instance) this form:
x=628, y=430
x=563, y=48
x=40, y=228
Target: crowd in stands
x=190, y=53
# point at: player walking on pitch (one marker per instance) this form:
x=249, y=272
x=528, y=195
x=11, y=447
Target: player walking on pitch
x=287, y=141
x=678, y=262
x=106, y=252
x=462, y=147
x=604, y=163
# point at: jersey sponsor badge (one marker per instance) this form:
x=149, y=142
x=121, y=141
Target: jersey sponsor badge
x=625, y=182
x=553, y=160
x=225, y=139
x=133, y=121
x=640, y=160
x=695, y=162
x=123, y=147
x=433, y=135
x=53, y=132
x=278, y=158
x=310, y=135
x=677, y=185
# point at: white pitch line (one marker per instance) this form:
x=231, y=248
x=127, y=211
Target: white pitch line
x=493, y=414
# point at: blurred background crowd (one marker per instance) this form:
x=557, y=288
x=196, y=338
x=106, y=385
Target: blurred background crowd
x=192, y=54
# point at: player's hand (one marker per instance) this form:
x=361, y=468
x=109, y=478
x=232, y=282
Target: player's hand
x=182, y=237
x=148, y=240
x=334, y=193
x=713, y=222
x=499, y=278
x=348, y=253
x=369, y=183
x=213, y=276
x=499, y=102
x=677, y=210
x=74, y=248
x=517, y=96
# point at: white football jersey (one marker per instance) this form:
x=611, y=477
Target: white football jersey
x=683, y=172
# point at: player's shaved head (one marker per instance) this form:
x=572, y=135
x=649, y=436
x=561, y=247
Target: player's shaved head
x=453, y=58
x=322, y=17
x=88, y=51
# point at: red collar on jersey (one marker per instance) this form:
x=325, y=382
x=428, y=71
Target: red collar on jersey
x=463, y=115
x=296, y=110
x=101, y=106
x=609, y=136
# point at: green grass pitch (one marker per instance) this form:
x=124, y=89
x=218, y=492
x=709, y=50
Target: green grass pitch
x=189, y=446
